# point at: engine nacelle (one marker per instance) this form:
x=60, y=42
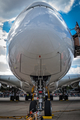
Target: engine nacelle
x=75, y=85
x=2, y=85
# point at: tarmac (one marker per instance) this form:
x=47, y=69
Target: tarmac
x=62, y=110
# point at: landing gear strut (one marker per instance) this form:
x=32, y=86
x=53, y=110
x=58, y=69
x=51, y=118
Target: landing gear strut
x=40, y=89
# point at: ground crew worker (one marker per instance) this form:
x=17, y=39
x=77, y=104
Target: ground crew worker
x=77, y=28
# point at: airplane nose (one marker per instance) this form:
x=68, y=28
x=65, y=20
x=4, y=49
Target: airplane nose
x=40, y=41
x=37, y=31
x=36, y=42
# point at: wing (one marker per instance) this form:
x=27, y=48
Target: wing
x=13, y=81
x=68, y=79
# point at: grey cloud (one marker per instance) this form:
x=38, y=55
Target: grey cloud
x=76, y=61
x=11, y=8
x=3, y=67
x=2, y=50
x=63, y=5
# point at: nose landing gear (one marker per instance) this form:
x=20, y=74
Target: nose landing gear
x=41, y=104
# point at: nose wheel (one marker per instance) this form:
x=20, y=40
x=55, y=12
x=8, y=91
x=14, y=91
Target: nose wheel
x=48, y=108
x=33, y=106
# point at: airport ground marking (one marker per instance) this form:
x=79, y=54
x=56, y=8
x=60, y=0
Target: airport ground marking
x=25, y=117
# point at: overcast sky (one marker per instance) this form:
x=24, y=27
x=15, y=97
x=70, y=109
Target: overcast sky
x=9, y=10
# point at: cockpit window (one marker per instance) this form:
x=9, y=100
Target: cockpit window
x=39, y=6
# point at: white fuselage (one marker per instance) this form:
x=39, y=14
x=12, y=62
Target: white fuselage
x=40, y=44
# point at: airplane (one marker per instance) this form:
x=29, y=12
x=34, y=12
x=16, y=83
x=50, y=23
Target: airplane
x=69, y=79
x=40, y=51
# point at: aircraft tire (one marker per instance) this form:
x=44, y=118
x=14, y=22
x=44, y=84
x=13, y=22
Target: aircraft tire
x=66, y=97
x=11, y=98
x=60, y=97
x=26, y=98
x=33, y=106
x=51, y=97
x=17, y=98
x=48, y=109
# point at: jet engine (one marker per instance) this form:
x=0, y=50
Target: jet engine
x=2, y=85
x=75, y=85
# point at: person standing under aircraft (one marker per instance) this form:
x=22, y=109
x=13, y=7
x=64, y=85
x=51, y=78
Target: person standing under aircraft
x=77, y=28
